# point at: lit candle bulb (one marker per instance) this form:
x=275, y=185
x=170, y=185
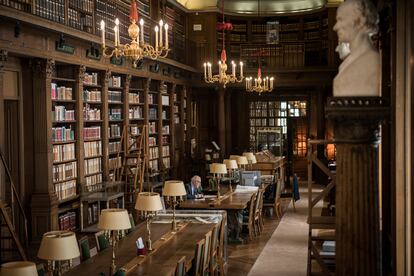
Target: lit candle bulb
x=103, y=33
x=141, y=23
x=161, y=24
x=241, y=69
x=117, y=31
x=156, y=37
x=116, y=36
x=209, y=70
x=205, y=70
x=166, y=35
x=271, y=83
x=233, y=68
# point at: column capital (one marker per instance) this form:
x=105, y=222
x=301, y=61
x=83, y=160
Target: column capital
x=356, y=120
x=3, y=58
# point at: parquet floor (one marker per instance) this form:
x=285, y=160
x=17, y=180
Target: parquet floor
x=241, y=257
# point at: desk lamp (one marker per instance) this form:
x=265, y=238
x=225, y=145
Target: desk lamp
x=251, y=158
x=234, y=157
x=58, y=246
x=218, y=170
x=149, y=204
x=115, y=220
x=174, y=191
x=231, y=165
x=21, y=268
x=242, y=162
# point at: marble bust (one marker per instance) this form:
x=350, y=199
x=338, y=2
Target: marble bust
x=359, y=72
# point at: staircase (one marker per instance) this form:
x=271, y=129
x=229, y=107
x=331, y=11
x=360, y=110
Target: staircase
x=11, y=249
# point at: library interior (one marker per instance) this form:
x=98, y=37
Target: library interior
x=206, y=137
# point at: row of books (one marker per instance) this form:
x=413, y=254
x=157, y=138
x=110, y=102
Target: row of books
x=152, y=141
x=93, y=182
x=80, y=21
x=91, y=113
x=90, y=78
x=114, y=96
x=93, y=166
x=165, y=129
x=65, y=190
x=115, y=114
x=152, y=99
x=153, y=165
x=62, y=134
x=51, y=9
x=166, y=162
x=165, y=140
x=92, y=132
x=135, y=112
x=176, y=119
x=133, y=98
x=165, y=150
x=93, y=214
x=67, y=221
x=164, y=115
x=23, y=5
x=114, y=131
x=152, y=113
x=114, y=147
x=92, y=95
x=83, y=5
x=63, y=152
x=165, y=100
x=134, y=130
x=61, y=92
x=115, y=163
x=115, y=81
x=153, y=153
x=258, y=112
x=152, y=128
x=61, y=114
x=132, y=143
x=93, y=148
x=64, y=171
x=258, y=122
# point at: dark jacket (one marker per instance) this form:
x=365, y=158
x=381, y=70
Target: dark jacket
x=191, y=193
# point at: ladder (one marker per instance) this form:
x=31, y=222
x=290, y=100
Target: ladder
x=135, y=161
x=322, y=227
x=7, y=224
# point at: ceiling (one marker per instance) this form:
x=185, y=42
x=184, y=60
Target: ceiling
x=256, y=7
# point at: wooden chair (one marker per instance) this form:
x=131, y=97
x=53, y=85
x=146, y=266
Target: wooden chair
x=85, y=251
x=197, y=266
x=180, y=268
x=40, y=270
x=214, y=250
x=257, y=212
x=221, y=248
x=102, y=241
x=132, y=221
x=206, y=254
x=248, y=220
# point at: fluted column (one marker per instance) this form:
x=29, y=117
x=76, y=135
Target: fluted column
x=221, y=121
x=356, y=124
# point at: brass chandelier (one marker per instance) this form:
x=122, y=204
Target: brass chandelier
x=260, y=84
x=137, y=49
x=222, y=77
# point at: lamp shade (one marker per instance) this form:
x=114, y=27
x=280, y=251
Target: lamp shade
x=18, y=269
x=230, y=163
x=114, y=219
x=218, y=168
x=251, y=158
x=242, y=160
x=148, y=202
x=58, y=246
x=234, y=157
x=174, y=188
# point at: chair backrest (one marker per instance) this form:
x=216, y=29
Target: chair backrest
x=278, y=190
x=252, y=205
x=84, y=248
x=198, y=258
x=102, y=241
x=132, y=221
x=206, y=254
x=257, y=207
x=180, y=268
x=40, y=270
x=222, y=236
x=214, y=241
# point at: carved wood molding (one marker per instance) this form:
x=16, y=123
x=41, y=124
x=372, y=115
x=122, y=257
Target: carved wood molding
x=82, y=70
x=42, y=68
x=128, y=80
x=3, y=58
x=108, y=74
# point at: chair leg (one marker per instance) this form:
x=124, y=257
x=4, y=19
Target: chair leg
x=275, y=210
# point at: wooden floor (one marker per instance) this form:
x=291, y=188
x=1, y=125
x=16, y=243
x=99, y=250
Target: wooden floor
x=241, y=257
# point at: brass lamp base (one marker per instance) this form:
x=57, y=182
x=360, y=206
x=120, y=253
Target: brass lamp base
x=149, y=245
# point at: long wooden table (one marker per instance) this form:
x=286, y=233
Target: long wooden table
x=162, y=262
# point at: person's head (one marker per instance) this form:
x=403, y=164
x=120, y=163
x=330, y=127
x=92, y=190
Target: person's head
x=353, y=17
x=196, y=181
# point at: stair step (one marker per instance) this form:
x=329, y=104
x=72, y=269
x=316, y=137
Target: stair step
x=323, y=238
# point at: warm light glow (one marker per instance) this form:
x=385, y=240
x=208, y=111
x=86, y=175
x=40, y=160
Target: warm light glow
x=261, y=84
x=137, y=49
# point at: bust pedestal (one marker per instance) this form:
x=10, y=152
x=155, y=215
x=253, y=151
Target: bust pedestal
x=356, y=124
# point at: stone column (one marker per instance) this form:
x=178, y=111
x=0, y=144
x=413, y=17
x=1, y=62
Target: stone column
x=221, y=121
x=3, y=60
x=356, y=124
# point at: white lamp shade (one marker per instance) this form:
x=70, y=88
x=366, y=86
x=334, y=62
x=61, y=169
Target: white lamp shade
x=249, y=155
x=58, y=246
x=114, y=219
x=230, y=164
x=234, y=157
x=242, y=160
x=18, y=269
x=174, y=188
x=148, y=202
x=218, y=168
x=253, y=160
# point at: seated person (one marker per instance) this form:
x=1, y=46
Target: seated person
x=194, y=189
